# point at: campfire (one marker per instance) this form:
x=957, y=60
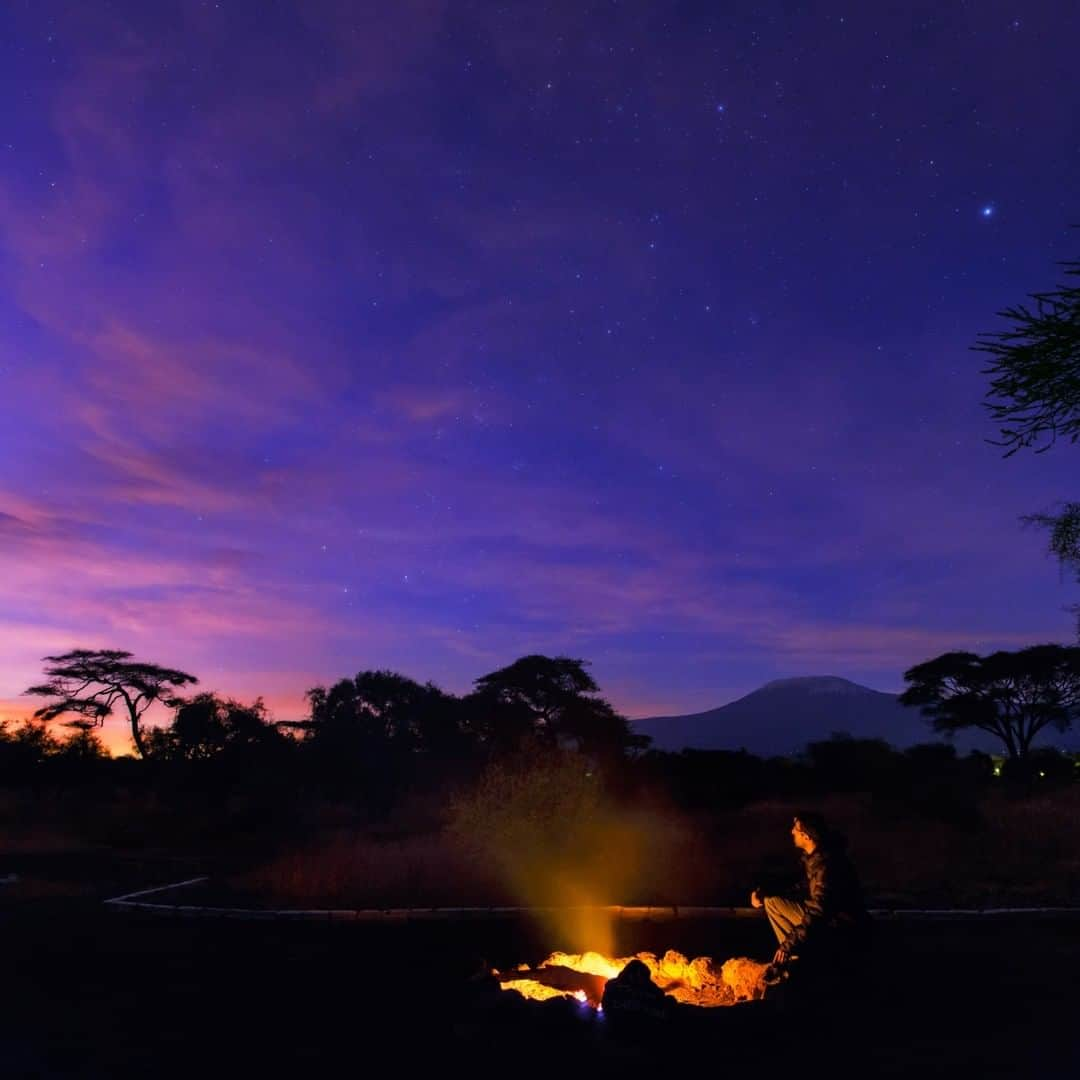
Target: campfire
x=585, y=976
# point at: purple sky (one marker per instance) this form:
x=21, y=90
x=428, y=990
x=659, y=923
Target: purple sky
x=425, y=335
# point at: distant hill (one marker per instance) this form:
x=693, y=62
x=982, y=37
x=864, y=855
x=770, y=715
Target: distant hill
x=781, y=717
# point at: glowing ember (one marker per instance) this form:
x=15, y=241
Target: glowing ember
x=691, y=982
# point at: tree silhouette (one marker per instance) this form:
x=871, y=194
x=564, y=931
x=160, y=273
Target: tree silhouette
x=1035, y=390
x=379, y=711
x=207, y=726
x=91, y=683
x=1012, y=695
x=411, y=717
x=555, y=699
x=372, y=733
x=23, y=750
x=81, y=747
x=1035, y=386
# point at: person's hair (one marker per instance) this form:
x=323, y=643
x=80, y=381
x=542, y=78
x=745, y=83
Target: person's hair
x=814, y=825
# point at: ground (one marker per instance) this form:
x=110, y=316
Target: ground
x=95, y=993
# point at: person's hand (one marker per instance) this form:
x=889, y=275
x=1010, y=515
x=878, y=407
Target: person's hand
x=780, y=956
x=755, y=899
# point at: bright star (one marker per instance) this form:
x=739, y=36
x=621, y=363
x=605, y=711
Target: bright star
x=987, y=211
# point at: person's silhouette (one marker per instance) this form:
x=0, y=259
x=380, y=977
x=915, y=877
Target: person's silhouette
x=833, y=910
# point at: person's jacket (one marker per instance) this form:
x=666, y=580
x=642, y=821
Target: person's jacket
x=834, y=900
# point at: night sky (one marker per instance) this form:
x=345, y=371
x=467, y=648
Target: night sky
x=425, y=335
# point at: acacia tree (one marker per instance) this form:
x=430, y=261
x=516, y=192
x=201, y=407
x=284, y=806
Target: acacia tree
x=1035, y=373
x=1034, y=390
x=91, y=683
x=555, y=700
x=1011, y=695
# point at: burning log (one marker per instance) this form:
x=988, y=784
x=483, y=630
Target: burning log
x=583, y=985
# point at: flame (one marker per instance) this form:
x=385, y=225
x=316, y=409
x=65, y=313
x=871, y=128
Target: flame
x=589, y=963
x=701, y=981
x=531, y=989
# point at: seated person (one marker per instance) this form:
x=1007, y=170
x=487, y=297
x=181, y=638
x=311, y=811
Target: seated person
x=833, y=913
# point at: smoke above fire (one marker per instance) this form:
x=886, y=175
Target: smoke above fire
x=557, y=840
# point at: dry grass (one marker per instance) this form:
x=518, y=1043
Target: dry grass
x=1018, y=852
x=350, y=870
x=1024, y=853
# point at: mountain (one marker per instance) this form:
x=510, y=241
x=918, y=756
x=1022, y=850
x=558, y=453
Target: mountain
x=781, y=717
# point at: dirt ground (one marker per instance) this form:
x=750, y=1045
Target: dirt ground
x=93, y=993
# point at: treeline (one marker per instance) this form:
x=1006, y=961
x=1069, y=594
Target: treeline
x=224, y=764
x=217, y=751
x=930, y=779
x=378, y=742
x=372, y=742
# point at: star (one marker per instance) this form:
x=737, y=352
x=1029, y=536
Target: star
x=986, y=211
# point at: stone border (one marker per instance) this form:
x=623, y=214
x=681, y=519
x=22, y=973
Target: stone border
x=130, y=902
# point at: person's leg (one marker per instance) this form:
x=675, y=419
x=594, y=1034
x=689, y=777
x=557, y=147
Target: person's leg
x=784, y=915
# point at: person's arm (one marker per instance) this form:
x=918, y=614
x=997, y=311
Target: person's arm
x=818, y=884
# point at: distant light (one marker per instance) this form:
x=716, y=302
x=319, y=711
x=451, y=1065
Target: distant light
x=1041, y=773
x=987, y=211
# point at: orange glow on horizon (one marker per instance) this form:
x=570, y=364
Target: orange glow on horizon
x=115, y=733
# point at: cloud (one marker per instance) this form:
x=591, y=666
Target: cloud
x=322, y=356
x=421, y=404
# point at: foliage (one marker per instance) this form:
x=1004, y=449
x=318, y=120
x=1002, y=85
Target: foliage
x=1064, y=529
x=555, y=701
x=82, y=746
x=208, y=727
x=527, y=800
x=1011, y=695
x=380, y=735
x=25, y=748
x=31, y=753
x=89, y=683
x=1035, y=392
x=382, y=711
x=701, y=779
x=525, y=763
x=844, y=763
x=1035, y=372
